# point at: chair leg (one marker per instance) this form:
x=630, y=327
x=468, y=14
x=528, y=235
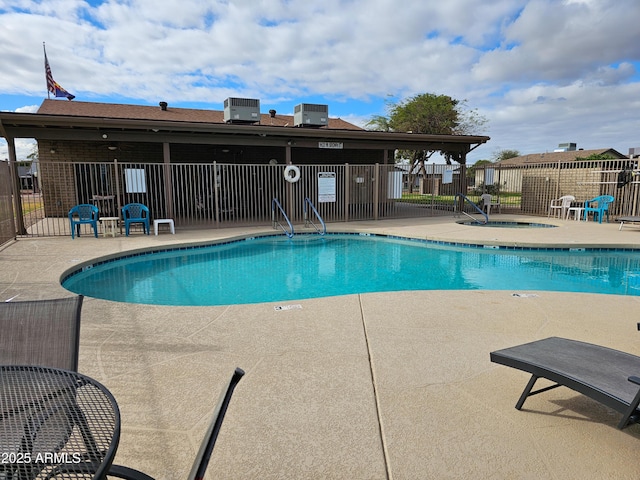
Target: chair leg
x=525, y=393
x=120, y=471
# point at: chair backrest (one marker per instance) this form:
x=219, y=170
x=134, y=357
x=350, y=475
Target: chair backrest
x=41, y=332
x=84, y=211
x=606, y=200
x=486, y=199
x=135, y=210
x=567, y=199
x=601, y=202
x=206, y=448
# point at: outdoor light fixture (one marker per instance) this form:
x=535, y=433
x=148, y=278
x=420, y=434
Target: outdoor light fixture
x=104, y=135
x=112, y=147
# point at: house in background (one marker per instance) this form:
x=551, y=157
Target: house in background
x=511, y=175
x=28, y=175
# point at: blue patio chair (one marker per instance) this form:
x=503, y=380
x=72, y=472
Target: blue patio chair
x=135, y=213
x=599, y=206
x=84, y=213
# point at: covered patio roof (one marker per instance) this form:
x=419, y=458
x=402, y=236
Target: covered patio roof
x=86, y=121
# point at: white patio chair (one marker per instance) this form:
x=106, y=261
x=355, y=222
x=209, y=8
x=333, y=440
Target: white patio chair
x=560, y=206
x=487, y=203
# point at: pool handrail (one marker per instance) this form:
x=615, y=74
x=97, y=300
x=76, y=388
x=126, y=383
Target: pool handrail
x=464, y=197
x=276, y=223
x=307, y=220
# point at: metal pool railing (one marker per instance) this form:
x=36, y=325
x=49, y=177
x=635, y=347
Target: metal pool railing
x=474, y=206
x=308, y=205
x=275, y=205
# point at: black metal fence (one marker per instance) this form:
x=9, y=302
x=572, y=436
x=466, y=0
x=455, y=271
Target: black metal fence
x=228, y=195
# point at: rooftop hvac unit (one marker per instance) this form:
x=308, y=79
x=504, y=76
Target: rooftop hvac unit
x=566, y=147
x=241, y=110
x=310, y=115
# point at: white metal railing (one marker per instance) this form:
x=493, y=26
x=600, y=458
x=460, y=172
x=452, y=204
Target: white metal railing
x=464, y=198
x=308, y=205
x=276, y=223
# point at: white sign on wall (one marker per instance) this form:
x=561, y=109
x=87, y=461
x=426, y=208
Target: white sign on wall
x=135, y=180
x=334, y=145
x=394, y=188
x=488, y=176
x=326, y=187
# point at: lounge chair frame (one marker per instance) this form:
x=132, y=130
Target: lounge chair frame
x=600, y=373
x=628, y=219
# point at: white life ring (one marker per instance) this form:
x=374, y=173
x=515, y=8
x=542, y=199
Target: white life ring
x=291, y=174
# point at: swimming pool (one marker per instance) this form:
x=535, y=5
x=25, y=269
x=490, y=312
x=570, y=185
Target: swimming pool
x=276, y=268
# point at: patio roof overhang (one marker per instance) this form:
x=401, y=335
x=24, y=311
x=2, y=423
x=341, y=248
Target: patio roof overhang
x=74, y=128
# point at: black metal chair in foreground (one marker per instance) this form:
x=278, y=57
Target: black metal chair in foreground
x=201, y=461
x=41, y=332
x=607, y=376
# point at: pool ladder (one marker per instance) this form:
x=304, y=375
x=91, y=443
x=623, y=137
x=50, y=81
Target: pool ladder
x=275, y=204
x=322, y=228
x=276, y=208
x=463, y=199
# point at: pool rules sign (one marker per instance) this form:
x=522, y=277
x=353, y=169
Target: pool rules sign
x=326, y=187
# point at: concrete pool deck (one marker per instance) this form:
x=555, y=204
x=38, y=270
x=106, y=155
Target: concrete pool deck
x=374, y=386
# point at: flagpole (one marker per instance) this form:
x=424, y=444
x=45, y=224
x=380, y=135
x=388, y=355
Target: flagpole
x=45, y=71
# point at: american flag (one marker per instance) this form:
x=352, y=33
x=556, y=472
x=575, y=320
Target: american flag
x=52, y=85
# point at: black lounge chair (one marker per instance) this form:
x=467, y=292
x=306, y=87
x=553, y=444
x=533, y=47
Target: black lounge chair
x=628, y=219
x=601, y=373
x=206, y=448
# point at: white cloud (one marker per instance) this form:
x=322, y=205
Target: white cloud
x=24, y=147
x=538, y=69
x=561, y=41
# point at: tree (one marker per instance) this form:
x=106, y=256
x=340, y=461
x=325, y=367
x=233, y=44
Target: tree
x=428, y=113
x=471, y=171
x=378, y=123
x=33, y=156
x=505, y=154
x=425, y=113
x=598, y=156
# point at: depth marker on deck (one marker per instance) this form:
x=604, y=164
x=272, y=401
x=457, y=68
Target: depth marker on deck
x=287, y=307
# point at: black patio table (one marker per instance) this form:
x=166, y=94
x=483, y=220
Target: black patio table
x=55, y=424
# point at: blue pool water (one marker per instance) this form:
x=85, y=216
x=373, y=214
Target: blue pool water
x=276, y=268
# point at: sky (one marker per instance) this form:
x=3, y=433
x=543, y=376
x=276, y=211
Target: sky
x=541, y=72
